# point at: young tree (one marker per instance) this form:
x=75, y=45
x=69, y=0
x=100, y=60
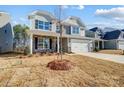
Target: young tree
x=59, y=15
x=61, y=64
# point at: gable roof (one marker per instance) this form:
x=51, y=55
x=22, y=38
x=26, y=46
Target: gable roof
x=72, y=20
x=112, y=35
x=4, y=19
x=41, y=12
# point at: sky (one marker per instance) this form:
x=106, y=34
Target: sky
x=91, y=15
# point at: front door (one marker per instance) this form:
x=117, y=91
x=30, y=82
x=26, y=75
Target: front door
x=50, y=43
x=36, y=42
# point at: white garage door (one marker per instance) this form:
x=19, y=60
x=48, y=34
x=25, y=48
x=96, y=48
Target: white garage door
x=121, y=45
x=79, y=47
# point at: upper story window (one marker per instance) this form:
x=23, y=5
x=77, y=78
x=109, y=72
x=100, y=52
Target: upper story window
x=75, y=30
x=68, y=29
x=43, y=25
x=58, y=29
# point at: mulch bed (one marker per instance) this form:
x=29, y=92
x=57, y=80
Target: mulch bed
x=60, y=64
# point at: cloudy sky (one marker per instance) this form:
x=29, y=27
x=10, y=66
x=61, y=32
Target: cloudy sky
x=91, y=15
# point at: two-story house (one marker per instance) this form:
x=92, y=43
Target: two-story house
x=96, y=34
x=6, y=33
x=114, y=39
x=45, y=33
x=106, y=40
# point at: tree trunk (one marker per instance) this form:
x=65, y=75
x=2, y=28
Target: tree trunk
x=61, y=41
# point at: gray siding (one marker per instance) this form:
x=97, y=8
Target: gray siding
x=6, y=38
x=111, y=44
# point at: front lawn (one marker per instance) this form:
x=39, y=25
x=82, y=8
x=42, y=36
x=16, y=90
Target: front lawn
x=32, y=71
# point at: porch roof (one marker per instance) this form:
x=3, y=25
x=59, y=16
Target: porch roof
x=54, y=34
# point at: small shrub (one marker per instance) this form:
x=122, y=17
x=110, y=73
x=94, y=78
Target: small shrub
x=96, y=49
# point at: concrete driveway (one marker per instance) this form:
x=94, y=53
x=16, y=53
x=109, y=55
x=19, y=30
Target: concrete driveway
x=110, y=57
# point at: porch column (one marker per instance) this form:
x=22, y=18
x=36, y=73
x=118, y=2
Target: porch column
x=68, y=45
x=102, y=44
x=98, y=44
x=31, y=43
x=94, y=45
x=57, y=44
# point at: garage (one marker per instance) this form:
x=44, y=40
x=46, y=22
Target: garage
x=78, y=46
x=121, y=45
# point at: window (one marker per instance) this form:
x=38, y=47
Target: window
x=43, y=25
x=43, y=43
x=68, y=29
x=46, y=43
x=36, y=24
x=40, y=42
x=75, y=30
x=47, y=25
x=58, y=29
x=40, y=24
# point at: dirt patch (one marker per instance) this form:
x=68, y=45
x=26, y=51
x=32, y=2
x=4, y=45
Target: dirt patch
x=115, y=52
x=32, y=71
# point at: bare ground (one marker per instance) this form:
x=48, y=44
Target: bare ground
x=32, y=71
x=116, y=52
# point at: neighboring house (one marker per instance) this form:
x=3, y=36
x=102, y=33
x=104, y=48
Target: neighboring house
x=114, y=39
x=6, y=33
x=96, y=34
x=45, y=31
x=108, y=40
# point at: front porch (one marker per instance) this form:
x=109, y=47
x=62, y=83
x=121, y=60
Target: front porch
x=40, y=43
x=99, y=44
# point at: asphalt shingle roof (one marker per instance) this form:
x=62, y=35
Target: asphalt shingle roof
x=112, y=35
x=122, y=30
x=95, y=29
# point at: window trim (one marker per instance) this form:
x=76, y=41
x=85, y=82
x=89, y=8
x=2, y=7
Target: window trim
x=41, y=43
x=57, y=29
x=43, y=25
x=68, y=30
x=72, y=30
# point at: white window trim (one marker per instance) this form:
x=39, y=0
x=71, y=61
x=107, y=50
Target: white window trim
x=74, y=33
x=43, y=25
x=43, y=38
